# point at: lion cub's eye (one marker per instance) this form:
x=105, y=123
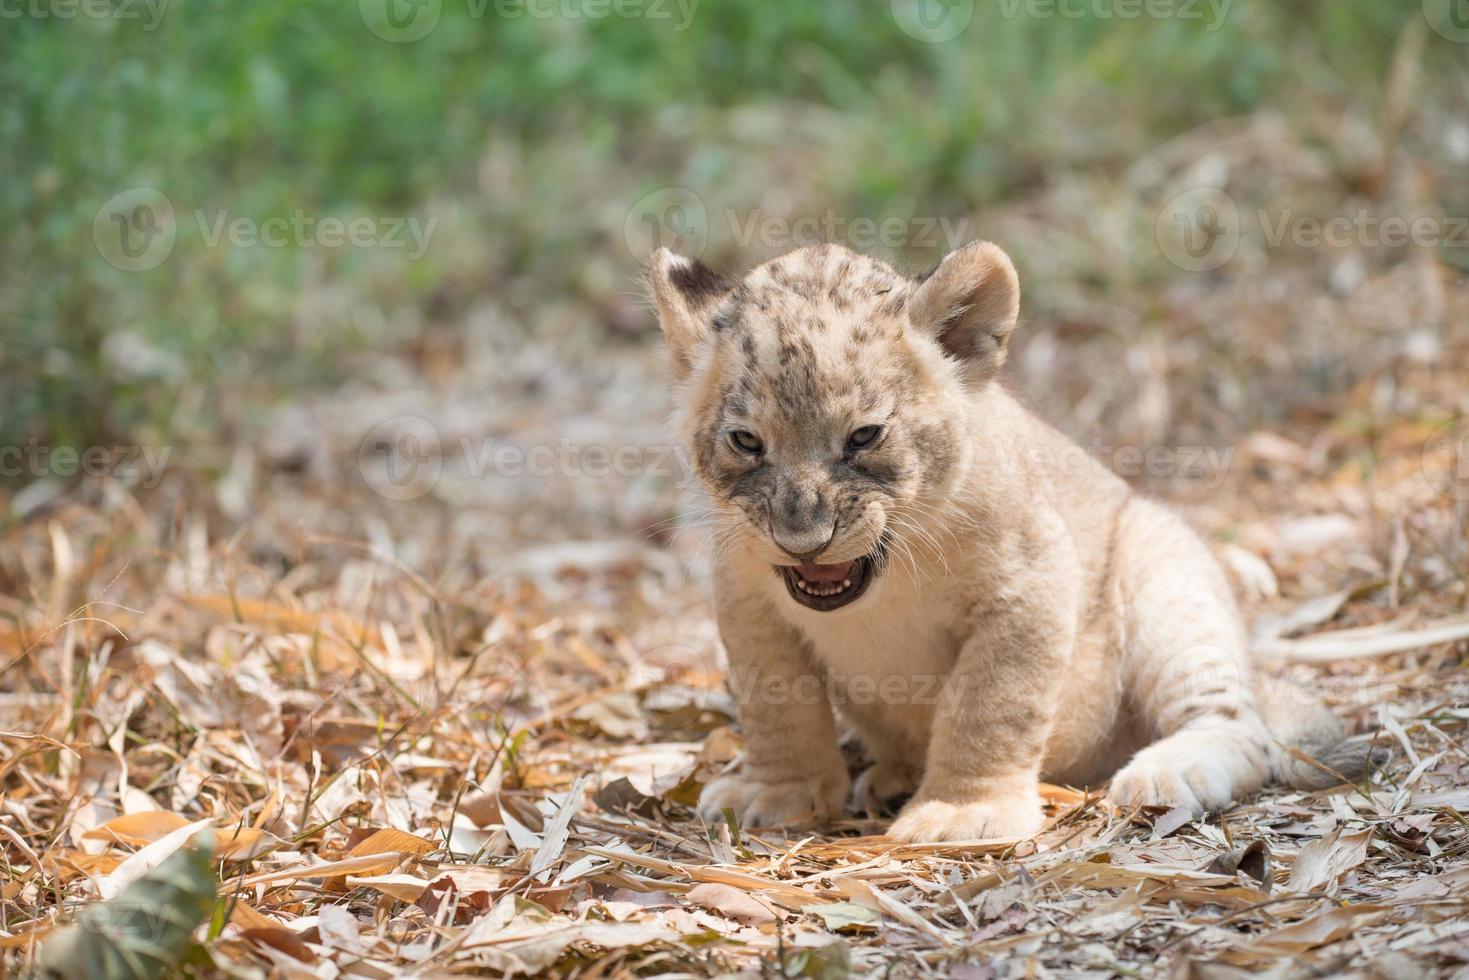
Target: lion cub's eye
x=863, y=437
x=747, y=442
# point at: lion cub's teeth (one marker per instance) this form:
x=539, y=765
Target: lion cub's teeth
x=822, y=589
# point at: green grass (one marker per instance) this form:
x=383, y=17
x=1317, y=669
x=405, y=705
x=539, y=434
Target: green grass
x=531, y=138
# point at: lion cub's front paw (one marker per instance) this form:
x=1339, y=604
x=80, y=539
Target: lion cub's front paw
x=930, y=821
x=796, y=803
x=1160, y=786
x=1166, y=775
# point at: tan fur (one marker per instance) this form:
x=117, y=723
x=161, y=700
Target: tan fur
x=1033, y=617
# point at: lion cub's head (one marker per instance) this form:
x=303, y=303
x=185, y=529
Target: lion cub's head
x=822, y=399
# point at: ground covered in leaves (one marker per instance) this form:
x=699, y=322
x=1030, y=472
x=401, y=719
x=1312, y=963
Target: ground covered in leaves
x=430, y=658
x=460, y=753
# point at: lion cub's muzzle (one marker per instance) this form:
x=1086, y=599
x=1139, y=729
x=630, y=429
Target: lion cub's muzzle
x=827, y=587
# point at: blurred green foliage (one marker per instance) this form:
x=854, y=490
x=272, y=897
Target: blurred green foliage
x=532, y=137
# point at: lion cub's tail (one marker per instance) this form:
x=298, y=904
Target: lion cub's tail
x=1311, y=750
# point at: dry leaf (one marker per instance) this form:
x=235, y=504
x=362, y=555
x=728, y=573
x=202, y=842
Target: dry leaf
x=138, y=829
x=1173, y=821
x=367, y=864
x=558, y=828
x=1317, y=931
x=732, y=903
x=621, y=796
x=843, y=915
x=147, y=859
x=1323, y=862
x=245, y=916
x=1061, y=795
x=391, y=841
x=246, y=843
x=1252, y=860
x=405, y=888
x=282, y=939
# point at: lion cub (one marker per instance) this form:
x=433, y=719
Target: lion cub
x=902, y=542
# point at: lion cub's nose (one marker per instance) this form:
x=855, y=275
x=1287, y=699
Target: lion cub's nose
x=805, y=543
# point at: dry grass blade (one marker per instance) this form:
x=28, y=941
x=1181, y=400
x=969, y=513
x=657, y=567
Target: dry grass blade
x=1330, y=647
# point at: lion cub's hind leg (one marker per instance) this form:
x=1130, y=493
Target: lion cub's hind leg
x=886, y=783
x=1187, y=677
x=897, y=759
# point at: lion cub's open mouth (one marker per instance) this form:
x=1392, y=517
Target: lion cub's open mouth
x=828, y=587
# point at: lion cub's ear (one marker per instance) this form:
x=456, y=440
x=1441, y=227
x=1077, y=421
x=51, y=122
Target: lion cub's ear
x=969, y=304
x=684, y=292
